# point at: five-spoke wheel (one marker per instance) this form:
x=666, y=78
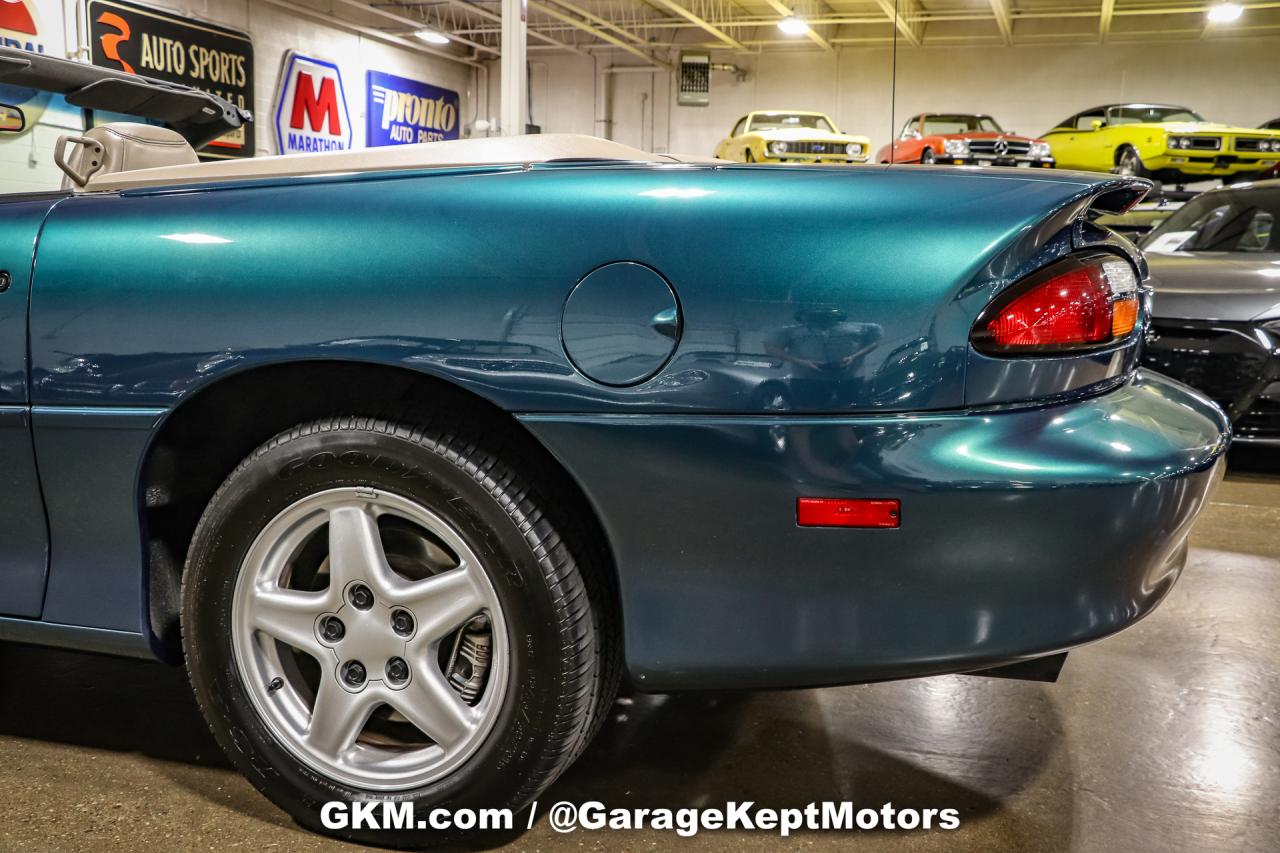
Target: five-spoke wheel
x=380, y=610
x=319, y=582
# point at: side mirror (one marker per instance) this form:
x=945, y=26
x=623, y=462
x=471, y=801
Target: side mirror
x=1096, y=124
x=12, y=119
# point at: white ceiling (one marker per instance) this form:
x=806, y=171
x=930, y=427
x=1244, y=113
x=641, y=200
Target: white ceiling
x=657, y=28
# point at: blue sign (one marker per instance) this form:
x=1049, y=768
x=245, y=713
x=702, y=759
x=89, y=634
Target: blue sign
x=402, y=111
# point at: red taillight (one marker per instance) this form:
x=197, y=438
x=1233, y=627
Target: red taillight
x=1077, y=303
x=844, y=512
x=1073, y=308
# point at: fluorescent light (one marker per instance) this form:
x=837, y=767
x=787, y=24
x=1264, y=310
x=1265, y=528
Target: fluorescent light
x=693, y=192
x=793, y=26
x=195, y=239
x=432, y=36
x=1225, y=13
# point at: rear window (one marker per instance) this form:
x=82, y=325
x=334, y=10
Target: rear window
x=1221, y=221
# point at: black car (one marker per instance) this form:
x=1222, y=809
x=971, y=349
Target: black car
x=1215, y=265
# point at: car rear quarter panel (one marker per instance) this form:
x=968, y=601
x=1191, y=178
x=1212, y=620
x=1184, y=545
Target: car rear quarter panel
x=142, y=299
x=465, y=276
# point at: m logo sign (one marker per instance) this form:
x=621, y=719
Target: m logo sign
x=311, y=107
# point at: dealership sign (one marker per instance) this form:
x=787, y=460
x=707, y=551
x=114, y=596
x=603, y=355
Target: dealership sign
x=402, y=111
x=311, y=107
x=154, y=43
x=18, y=25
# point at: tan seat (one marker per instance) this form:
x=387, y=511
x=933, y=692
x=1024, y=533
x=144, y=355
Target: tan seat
x=120, y=147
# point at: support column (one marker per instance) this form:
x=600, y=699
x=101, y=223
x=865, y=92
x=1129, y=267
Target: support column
x=515, y=85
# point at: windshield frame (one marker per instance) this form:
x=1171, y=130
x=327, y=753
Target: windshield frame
x=956, y=118
x=1114, y=110
x=822, y=124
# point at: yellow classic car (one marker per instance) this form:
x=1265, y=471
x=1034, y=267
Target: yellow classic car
x=790, y=136
x=1172, y=144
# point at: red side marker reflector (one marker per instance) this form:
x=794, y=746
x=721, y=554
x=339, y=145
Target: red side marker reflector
x=838, y=512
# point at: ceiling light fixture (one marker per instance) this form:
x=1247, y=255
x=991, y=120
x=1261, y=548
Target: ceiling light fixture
x=793, y=25
x=1225, y=13
x=432, y=36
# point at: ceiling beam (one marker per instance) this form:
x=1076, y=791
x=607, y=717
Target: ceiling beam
x=470, y=8
x=603, y=23
x=414, y=25
x=1000, y=9
x=785, y=11
x=1104, y=21
x=900, y=21
x=598, y=33
x=683, y=12
x=369, y=32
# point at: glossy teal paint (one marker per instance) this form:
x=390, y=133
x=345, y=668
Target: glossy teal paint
x=822, y=350
x=23, y=537
x=90, y=461
x=1023, y=531
x=621, y=323
x=821, y=275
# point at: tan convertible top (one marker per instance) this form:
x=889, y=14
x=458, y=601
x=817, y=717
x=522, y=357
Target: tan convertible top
x=490, y=151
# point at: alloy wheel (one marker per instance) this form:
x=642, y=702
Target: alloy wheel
x=370, y=639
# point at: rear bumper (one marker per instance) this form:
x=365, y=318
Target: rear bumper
x=1235, y=364
x=1024, y=532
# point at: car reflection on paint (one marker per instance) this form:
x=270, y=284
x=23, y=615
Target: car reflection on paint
x=1216, y=313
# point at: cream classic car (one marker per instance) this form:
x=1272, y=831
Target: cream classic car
x=791, y=136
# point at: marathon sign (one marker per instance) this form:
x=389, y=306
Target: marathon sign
x=311, y=107
x=403, y=111
x=154, y=43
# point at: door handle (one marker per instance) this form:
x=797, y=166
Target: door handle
x=5, y=280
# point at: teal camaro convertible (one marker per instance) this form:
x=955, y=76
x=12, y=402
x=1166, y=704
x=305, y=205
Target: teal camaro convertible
x=411, y=455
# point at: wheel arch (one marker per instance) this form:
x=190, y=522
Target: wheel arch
x=1124, y=145
x=203, y=438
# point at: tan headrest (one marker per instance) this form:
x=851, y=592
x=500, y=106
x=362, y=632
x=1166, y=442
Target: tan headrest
x=120, y=147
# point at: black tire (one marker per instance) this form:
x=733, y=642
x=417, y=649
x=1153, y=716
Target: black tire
x=926, y=157
x=564, y=664
x=748, y=157
x=1129, y=162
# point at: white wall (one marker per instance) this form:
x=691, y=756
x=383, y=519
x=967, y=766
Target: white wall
x=25, y=160
x=1027, y=89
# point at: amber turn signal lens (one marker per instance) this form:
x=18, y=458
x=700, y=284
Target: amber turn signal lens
x=1124, y=316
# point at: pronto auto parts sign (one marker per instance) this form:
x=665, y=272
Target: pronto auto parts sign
x=311, y=107
x=402, y=111
x=141, y=40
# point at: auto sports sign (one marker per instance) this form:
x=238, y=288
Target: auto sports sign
x=311, y=107
x=403, y=111
x=140, y=40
